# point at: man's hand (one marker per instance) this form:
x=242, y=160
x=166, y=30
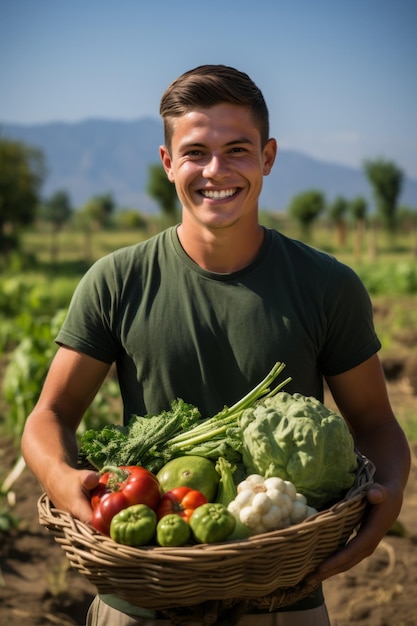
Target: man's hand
x=385, y=505
x=73, y=492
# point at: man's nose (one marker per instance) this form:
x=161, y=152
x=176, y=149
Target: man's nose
x=215, y=166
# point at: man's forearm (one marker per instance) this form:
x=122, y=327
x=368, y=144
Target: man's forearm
x=47, y=444
x=387, y=448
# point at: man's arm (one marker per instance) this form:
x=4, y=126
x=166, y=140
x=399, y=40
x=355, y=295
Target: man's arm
x=362, y=398
x=49, y=444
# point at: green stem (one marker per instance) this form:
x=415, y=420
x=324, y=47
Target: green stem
x=194, y=439
x=117, y=475
x=278, y=387
x=204, y=427
x=204, y=430
x=257, y=392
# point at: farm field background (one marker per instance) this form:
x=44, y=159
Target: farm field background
x=36, y=585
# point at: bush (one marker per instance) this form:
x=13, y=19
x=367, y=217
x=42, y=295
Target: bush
x=26, y=371
x=390, y=278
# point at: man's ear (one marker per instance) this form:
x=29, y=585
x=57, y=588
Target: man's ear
x=269, y=154
x=166, y=162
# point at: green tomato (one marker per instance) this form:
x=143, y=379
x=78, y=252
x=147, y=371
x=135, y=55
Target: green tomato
x=211, y=522
x=134, y=526
x=172, y=530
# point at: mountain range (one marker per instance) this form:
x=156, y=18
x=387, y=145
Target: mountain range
x=95, y=156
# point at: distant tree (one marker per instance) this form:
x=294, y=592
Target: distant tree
x=407, y=218
x=337, y=213
x=358, y=208
x=305, y=208
x=22, y=171
x=129, y=219
x=82, y=222
x=386, y=180
x=163, y=191
x=99, y=210
x=94, y=215
x=57, y=210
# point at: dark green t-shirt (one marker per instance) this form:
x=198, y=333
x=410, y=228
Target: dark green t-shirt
x=176, y=330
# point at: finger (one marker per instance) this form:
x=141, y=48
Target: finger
x=82, y=509
x=376, y=494
x=84, y=513
x=89, y=479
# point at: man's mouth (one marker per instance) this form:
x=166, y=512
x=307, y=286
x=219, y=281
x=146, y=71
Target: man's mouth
x=218, y=194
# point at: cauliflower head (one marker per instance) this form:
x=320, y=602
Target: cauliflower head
x=297, y=438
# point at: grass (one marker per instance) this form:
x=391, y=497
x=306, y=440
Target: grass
x=408, y=421
x=75, y=246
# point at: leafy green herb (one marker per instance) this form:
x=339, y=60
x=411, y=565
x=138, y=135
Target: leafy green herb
x=136, y=443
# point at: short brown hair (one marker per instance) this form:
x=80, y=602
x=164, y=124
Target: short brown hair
x=209, y=85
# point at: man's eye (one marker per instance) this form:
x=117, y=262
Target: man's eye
x=237, y=149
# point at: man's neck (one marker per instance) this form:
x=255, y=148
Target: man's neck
x=221, y=250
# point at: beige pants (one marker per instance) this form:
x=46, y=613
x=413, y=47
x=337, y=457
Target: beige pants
x=101, y=614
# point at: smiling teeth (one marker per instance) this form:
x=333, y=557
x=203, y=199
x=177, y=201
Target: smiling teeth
x=216, y=195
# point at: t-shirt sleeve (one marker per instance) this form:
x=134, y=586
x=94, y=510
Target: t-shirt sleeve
x=89, y=326
x=350, y=338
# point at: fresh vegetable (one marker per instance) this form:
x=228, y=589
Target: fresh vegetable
x=226, y=494
x=182, y=501
x=134, y=526
x=268, y=504
x=241, y=531
x=119, y=488
x=172, y=530
x=152, y=441
x=211, y=523
x=98, y=522
x=136, y=443
x=299, y=439
x=190, y=471
x=227, y=490
x=221, y=435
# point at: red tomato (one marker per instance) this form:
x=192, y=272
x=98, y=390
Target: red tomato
x=98, y=522
x=120, y=488
x=98, y=492
x=111, y=504
x=182, y=501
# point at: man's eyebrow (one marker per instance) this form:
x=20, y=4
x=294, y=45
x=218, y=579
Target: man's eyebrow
x=239, y=140
x=192, y=144
x=232, y=142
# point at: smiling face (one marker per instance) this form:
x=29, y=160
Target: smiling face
x=217, y=163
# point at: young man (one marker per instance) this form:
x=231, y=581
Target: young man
x=203, y=310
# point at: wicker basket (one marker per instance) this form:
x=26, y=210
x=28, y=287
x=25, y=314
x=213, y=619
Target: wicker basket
x=267, y=570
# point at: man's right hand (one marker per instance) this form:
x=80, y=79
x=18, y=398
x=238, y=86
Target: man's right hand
x=73, y=493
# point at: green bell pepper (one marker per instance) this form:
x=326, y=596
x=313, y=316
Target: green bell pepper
x=134, y=526
x=172, y=530
x=211, y=523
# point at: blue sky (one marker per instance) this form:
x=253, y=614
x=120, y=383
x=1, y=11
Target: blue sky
x=339, y=77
